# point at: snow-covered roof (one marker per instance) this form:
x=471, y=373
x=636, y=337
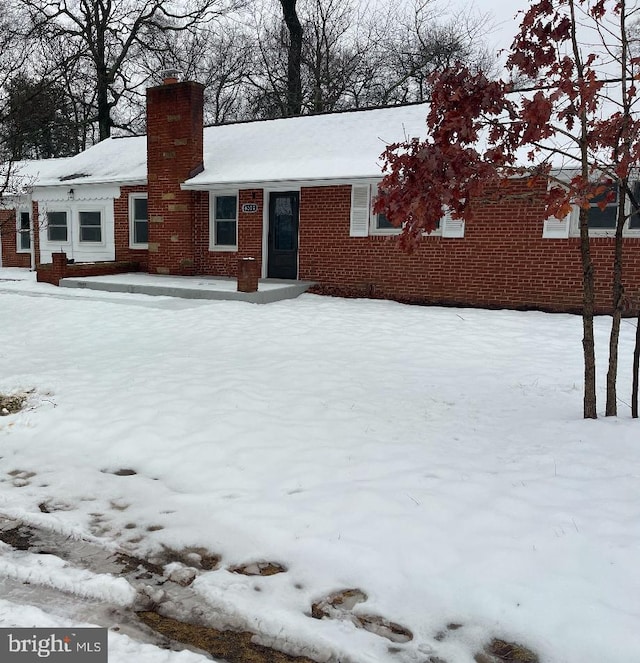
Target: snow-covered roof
x=312, y=147
x=24, y=175
x=112, y=161
x=317, y=147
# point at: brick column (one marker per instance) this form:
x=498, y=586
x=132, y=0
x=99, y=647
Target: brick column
x=247, y=275
x=54, y=271
x=174, y=153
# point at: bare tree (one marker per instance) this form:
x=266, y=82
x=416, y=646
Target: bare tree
x=416, y=40
x=579, y=109
x=13, y=55
x=333, y=51
x=109, y=35
x=357, y=55
x=219, y=57
x=294, y=57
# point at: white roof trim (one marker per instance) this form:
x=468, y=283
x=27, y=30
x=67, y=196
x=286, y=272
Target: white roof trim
x=80, y=192
x=280, y=184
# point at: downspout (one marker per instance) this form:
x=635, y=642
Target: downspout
x=72, y=216
x=32, y=242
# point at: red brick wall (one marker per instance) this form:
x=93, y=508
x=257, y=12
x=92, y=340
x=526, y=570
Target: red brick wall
x=121, y=223
x=225, y=263
x=59, y=269
x=10, y=256
x=174, y=153
x=502, y=261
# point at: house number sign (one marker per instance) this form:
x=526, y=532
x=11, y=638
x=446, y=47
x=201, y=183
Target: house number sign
x=249, y=208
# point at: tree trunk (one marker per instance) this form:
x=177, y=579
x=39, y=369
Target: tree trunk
x=636, y=364
x=294, y=57
x=102, y=90
x=104, y=114
x=618, y=295
x=588, y=305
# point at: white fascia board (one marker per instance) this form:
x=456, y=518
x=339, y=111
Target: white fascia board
x=13, y=201
x=80, y=192
x=279, y=184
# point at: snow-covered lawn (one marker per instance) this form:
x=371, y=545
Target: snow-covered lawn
x=434, y=458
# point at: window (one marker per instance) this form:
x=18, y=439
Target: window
x=363, y=222
x=57, y=226
x=380, y=225
x=90, y=225
x=634, y=219
x=224, y=231
x=138, y=221
x=380, y=222
x=604, y=219
x=23, y=243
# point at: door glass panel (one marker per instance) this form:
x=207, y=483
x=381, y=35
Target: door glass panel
x=284, y=225
x=284, y=233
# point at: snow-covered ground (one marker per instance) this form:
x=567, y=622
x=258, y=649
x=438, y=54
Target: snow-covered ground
x=434, y=458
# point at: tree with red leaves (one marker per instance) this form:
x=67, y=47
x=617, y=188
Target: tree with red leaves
x=574, y=110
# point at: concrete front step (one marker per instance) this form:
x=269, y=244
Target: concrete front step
x=190, y=287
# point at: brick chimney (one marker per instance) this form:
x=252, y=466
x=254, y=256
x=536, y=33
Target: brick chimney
x=174, y=153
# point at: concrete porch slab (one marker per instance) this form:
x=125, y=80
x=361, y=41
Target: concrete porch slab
x=190, y=287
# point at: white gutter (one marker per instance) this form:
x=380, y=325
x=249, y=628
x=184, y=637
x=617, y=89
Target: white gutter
x=280, y=184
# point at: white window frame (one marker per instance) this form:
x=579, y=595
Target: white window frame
x=58, y=242
x=91, y=208
x=212, y=221
x=604, y=232
x=627, y=231
x=373, y=217
x=140, y=195
x=373, y=220
x=20, y=231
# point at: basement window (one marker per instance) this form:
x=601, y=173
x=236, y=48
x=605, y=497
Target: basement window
x=23, y=237
x=223, y=229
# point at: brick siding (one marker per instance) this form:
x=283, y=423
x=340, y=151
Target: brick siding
x=225, y=263
x=174, y=153
x=10, y=255
x=502, y=262
x=121, y=214
x=59, y=269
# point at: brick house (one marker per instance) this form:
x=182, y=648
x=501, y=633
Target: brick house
x=295, y=194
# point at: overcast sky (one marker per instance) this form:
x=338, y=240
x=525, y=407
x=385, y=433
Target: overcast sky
x=503, y=19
